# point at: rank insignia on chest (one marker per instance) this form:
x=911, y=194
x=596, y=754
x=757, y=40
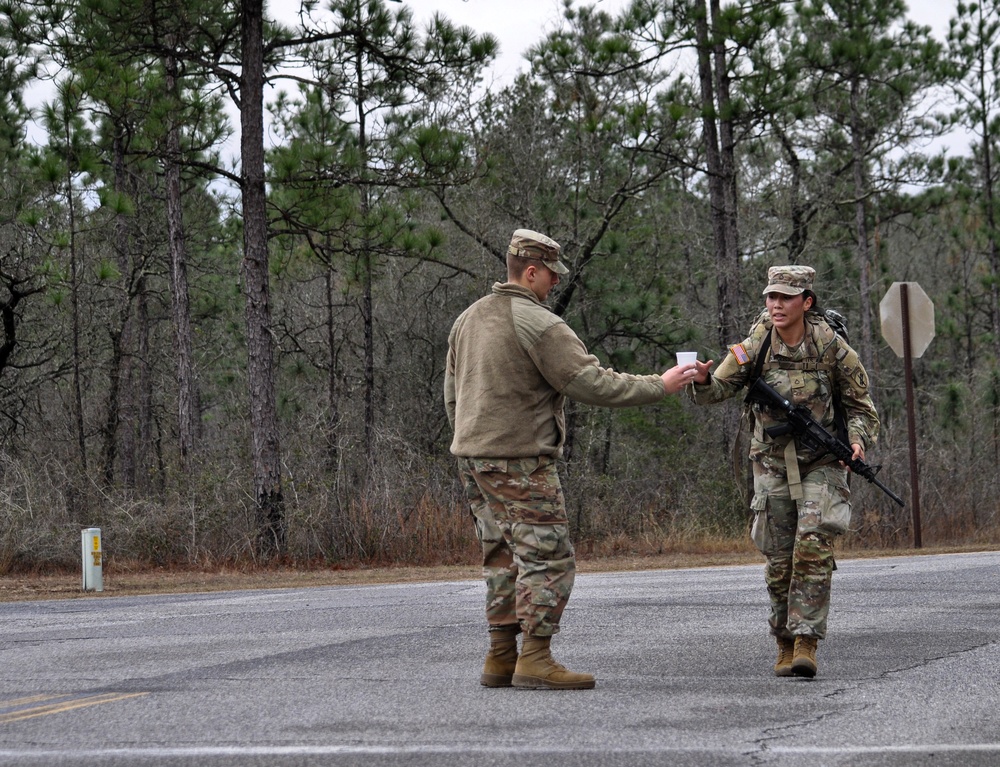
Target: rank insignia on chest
x=740, y=353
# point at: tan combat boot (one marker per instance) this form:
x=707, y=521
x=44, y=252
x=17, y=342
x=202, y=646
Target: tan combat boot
x=502, y=657
x=786, y=652
x=538, y=670
x=804, y=661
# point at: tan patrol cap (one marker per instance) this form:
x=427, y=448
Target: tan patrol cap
x=790, y=280
x=528, y=244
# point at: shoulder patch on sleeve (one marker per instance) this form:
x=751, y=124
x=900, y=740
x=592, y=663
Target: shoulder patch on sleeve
x=740, y=353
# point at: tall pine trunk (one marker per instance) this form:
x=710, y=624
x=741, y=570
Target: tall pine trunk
x=727, y=169
x=991, y=224
x=713, y=160
x=863, y=259
x=367, y=272
x=119, y=432
x=180, y=303
x=74, y=287
x=333, y=398
x=270, y=534
x=722, y=189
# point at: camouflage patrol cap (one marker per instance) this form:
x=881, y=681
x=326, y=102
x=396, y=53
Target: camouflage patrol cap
x=528, y=244
x=790, y=280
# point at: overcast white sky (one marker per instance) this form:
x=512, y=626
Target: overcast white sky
x=519, y=24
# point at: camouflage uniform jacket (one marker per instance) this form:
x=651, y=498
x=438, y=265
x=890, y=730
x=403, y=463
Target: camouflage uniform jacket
x=808, y=374
x=511, y=365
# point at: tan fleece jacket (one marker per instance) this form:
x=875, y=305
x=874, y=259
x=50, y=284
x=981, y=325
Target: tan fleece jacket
x=511, y=365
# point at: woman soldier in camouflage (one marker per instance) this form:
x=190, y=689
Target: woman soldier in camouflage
x=801, y=498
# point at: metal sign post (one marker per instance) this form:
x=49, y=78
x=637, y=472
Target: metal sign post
x=908, y=326
x=911, y=418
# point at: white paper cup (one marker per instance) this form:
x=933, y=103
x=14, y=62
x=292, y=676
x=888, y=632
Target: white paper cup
x=686, y=358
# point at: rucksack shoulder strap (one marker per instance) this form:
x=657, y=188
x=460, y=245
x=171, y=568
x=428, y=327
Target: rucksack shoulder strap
x=762, y=353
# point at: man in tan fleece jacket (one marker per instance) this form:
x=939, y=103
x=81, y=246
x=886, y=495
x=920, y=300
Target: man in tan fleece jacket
x=511, y=365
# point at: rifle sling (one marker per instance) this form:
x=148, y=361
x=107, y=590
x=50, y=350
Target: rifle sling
x=792, y=472
x=795, y=471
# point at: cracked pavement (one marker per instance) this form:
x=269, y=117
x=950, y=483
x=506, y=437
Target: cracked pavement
x=388, y=675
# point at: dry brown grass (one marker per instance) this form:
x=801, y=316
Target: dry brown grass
x=122, y=581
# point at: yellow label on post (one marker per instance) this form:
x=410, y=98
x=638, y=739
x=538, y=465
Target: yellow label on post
x=97, y=559
x=97, y=543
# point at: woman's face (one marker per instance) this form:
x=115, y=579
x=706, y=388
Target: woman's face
x=787, y=312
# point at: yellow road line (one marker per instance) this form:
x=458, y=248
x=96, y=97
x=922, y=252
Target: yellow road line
x=63, y=706
x=25, y=701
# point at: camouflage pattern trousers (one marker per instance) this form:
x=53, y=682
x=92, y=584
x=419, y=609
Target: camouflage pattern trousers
x=528, y=559
x=797, y=538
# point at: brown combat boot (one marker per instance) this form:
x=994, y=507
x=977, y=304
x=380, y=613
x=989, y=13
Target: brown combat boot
x=538, y=670
x=502, y=657
x=786, y=652
x=804, y=661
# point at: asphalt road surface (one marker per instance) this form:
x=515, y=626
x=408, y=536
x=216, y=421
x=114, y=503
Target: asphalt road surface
x=388, y=675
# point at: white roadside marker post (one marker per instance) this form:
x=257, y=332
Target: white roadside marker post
x=93, y=569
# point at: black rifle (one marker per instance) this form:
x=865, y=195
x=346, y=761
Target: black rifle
x=800, y=422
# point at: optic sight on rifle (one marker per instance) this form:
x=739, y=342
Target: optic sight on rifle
x=803, y=426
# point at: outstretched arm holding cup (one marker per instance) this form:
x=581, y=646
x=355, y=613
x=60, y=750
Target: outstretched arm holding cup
x=676, y=378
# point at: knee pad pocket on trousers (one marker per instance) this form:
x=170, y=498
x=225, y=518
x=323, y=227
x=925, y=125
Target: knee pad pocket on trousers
x=543, y=543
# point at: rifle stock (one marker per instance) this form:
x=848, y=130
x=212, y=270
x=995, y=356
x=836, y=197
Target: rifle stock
x=801, y=423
